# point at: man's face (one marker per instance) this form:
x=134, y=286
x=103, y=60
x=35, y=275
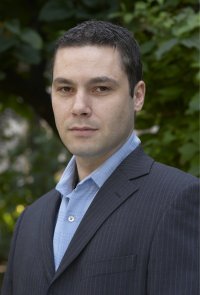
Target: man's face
x=93, y=110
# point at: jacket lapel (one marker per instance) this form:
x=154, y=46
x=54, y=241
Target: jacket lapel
x=115, y=191
x=49, y=215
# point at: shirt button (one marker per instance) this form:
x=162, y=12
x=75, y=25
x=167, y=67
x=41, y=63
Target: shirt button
x=71, y=218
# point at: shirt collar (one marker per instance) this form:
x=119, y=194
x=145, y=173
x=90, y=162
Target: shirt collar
x=101, y=174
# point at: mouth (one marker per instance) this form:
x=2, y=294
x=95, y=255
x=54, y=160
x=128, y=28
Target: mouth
x=83, y=131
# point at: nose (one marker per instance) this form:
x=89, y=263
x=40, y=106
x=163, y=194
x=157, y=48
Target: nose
x=81, y=105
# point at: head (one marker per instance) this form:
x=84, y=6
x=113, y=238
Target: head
x=96, y=90
x=102, y=33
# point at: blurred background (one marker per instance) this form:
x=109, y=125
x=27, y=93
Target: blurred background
x=31, y=154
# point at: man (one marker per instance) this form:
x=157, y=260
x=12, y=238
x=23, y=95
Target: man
x=118, y=223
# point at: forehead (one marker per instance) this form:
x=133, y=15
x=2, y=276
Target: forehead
x=87, y=58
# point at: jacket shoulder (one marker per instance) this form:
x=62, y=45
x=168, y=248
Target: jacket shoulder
x=48, y=201
x=173, y=174
x=172, y=182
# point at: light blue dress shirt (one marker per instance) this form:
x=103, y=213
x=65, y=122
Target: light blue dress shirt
x=75, y=201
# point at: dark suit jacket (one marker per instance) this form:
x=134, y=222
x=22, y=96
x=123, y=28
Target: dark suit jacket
x=138, y=237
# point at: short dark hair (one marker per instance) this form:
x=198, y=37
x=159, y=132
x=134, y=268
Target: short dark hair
x=103, y=33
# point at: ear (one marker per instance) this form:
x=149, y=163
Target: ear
x=139, y=94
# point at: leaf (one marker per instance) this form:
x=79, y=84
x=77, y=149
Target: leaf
x=168, y=137
x=147, y=47
x=169, y=93
x=187, y=151
x=191, y=42
x=194, y=136
x=128, y=17
x=6, y=43
x=32, y=38
x=140, y=6
x=53, y=11
x=194, y=105
x=13, y=26
x=191, y=22
x=195, y=166
x=28, y=54
x=165, y=47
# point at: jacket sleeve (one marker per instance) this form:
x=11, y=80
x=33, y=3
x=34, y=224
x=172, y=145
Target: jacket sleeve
x=173, y=262
x=7, y=281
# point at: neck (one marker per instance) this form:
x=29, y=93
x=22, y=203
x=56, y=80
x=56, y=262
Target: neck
x=85, y=166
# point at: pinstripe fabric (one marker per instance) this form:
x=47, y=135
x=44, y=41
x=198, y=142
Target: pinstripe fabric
x=139, y=237
x=76, y=201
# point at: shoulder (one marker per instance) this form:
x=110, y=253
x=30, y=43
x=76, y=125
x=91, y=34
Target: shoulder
x=139, y=165
x=46, y=203
x=172, y=176
x=158, y=179
x=173, y=185
x=49, y=196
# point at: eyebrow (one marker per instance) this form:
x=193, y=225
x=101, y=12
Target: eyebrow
x=62, y=81
x=101, y=79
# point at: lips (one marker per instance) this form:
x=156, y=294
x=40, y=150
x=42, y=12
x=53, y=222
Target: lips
x=82, y=131
x=82, y=128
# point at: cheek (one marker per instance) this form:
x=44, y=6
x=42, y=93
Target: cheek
x=56, y=112
x=59, y=110
x=122, y=113
x=59, y=118
x=55, y=108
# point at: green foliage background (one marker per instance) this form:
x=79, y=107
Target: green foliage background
x=168, y=32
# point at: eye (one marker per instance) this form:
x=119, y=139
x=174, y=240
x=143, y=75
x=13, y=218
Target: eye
x=65, y=90
x=101, y=89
